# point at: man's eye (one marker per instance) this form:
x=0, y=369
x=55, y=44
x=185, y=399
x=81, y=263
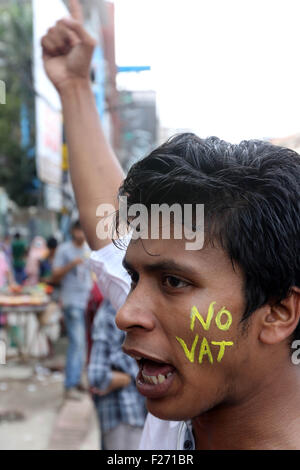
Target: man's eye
x=174, y=282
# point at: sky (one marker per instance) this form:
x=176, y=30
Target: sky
x=228, y=68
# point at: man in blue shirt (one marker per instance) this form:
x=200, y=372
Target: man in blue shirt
x=71, y=269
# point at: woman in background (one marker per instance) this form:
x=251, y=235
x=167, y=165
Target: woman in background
x=38, y=250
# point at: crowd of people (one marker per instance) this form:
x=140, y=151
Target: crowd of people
x=26, y=264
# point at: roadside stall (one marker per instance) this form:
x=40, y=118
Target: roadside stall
x=29, y=319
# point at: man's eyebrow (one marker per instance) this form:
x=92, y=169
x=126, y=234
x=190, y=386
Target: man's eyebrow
x=167, y=265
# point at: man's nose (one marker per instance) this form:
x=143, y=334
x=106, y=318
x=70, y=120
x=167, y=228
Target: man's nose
x=137, y=312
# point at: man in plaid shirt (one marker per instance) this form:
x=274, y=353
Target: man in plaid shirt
x=121, y=409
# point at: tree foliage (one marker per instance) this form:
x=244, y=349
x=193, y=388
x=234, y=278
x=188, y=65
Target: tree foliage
x=17, y=162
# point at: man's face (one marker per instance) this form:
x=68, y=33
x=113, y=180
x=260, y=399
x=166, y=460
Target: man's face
x=168, y=281
x=78, y=236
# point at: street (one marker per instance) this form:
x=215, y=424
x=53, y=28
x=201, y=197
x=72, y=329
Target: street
x=33, y=414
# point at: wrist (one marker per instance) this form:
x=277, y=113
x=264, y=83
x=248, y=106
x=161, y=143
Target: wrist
x=72, y=86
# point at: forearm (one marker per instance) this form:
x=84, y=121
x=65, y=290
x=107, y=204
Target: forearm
x=118, y=380
x=59, y=273
x=95, y=171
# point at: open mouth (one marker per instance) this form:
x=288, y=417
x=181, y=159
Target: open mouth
x=154, y=378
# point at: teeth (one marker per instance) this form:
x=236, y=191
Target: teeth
x=161, y=378
x=150, y=379
x=153, y=380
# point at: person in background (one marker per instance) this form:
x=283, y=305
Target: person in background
x=37, y=251
x=19, y=250
x=121, y=409
x=71, y=269
x=46, y=263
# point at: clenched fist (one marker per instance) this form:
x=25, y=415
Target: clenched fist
x=68, y=50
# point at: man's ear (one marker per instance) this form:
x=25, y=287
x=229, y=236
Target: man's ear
x=281, y=319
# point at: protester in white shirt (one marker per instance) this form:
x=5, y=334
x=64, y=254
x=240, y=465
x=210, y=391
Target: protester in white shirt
x=210, y=328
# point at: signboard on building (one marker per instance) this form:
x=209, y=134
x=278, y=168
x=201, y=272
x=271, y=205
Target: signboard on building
x=48, y=108
x=53, y=197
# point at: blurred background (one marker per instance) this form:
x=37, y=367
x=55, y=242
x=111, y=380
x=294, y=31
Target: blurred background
x=214, y=67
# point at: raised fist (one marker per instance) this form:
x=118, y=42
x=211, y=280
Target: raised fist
x=68, y=49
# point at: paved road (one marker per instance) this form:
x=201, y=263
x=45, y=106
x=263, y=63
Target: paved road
x=34, y=416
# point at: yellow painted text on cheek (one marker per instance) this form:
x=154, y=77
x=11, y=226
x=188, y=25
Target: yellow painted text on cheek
x=204, y=348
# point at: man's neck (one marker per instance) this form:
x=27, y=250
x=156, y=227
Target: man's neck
x=268, y=419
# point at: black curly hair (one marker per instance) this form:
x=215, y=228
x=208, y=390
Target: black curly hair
x=251, y=193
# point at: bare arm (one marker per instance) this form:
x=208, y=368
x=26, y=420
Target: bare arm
x=59, y=273
x=119, y=380
x=95, y=172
